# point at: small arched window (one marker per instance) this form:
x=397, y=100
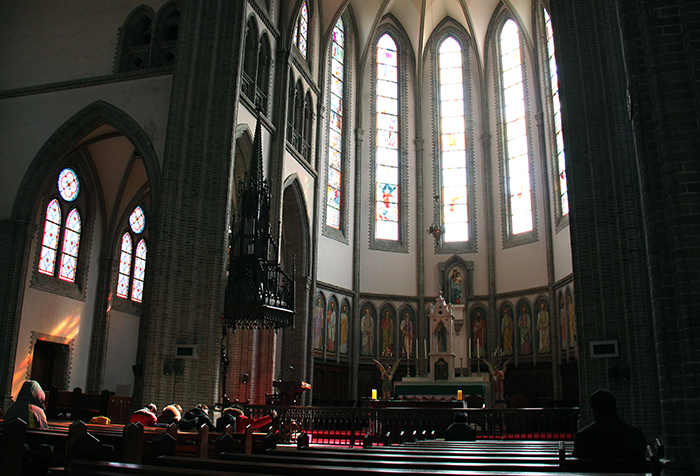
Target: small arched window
x=250, y=61
x=67, y=236
x=262, y=81
x=514, y=132
x=132, y=265
x=301, y=30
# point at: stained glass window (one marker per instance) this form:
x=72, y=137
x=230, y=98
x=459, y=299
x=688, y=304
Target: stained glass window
x=137, y=220
x=124, y=266
x=515, y=130
x=301, y=30
x=453, y=143
x=132, y=263
x=139, y=272
x=68, y=184
x=71, y=244
x=556, y=110
x=49, y=244
x=387, y=141
x=335, y=143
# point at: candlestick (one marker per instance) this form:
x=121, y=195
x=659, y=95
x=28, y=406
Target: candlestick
x=425, y=348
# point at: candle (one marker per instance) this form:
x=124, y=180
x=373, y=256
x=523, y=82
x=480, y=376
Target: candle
x=374, y=394
x=478, y=349
x=470, y=349
x=425, y=348
x=459, y=395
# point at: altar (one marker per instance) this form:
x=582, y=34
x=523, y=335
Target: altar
x=447, y=380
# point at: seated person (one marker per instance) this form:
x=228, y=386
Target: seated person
x=608, y=436
x=29, y=406
x=171, y=414
x=238, y=421
x=195, y=418
x=460, y=430
x=146, y=415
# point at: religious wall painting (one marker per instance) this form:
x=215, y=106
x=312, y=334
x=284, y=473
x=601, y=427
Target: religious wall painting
x=407, y=333
x=563, y=321
x=367, y=330
x=331, y=325
x=318, y=316
x=507, y=329
x=344, y=327
x=572, y=317
x=388, y=328
x=478, y=333
x=525, y=328
x=544, y=344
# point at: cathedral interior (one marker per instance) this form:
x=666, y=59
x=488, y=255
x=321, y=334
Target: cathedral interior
x=206, y=198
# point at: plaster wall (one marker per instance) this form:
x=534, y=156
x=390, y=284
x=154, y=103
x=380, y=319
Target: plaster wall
x=59, y=317
x=27, y=122
x=121, y=350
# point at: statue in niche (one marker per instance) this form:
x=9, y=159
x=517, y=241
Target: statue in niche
x=525, y=325
x=507, y=331
x=544, y=346
x=367, y=331
x=344, y=324
x=441, y=338
x=387, y=334
x=455, y=287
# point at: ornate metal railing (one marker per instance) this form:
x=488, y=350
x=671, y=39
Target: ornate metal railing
x=347, y=426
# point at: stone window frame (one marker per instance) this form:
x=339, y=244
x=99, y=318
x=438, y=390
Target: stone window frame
x=561, y=221
x=80, y=162
x=441, y=33
x=341, y=234
x=158, y=52
x=304, y=59
x=404, y=57
x=493, y=39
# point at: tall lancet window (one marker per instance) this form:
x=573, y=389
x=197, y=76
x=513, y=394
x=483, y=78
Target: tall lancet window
x=66, y=236
x=301, y=30
x=132, y=265
x=387, y=141
x=551, y=67
x=335, y=130
x=515, y=137
x=453, y=143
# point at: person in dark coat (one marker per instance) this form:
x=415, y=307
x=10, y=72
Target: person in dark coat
x=608, y=437
x=195, y=418
x=29, y=406
x=460, y=430
x=170, y=414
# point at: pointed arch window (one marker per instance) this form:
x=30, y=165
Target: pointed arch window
x=58, y=231
x=553, y=94
x=386, y=223
x=515, y=134
x=453, y=146
x=301, y=30
x=335, y=128
x=132, y=265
